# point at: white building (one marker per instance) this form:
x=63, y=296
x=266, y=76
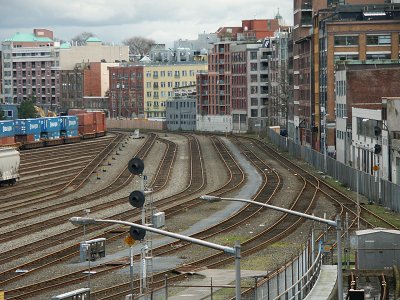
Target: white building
x=369, y=148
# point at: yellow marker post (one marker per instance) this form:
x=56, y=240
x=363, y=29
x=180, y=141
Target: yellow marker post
x=129, y=240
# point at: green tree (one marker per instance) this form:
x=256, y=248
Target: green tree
x=27, y=110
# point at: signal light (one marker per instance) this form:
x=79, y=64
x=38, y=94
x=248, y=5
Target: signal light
x=377, y=130
x=136, y=199
x=377, y=149
x=137, y=234
x=136, y=166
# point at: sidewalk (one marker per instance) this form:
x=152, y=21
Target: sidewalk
x=218, y=276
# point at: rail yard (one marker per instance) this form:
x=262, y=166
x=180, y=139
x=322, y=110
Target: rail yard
x=39, y=249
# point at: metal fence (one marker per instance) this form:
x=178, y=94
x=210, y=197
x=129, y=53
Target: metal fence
x=293, y=281
x=368, y=185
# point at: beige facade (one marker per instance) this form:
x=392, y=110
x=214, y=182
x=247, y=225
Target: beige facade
x=92, y=52
x=105, y=77
x=159, y=81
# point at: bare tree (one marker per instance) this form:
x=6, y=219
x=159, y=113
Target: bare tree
x=81, y=38
x=138, y=45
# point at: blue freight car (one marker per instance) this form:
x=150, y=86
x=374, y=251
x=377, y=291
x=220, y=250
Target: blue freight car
x=7, y=128
x=69, y=123
x=51, y=124
x=28, y=126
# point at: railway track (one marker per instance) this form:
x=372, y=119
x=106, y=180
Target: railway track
x=194, y=184
x=312, y=189
x=19, y=197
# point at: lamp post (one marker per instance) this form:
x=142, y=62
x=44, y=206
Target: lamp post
x=336, y=224
x=120, y=86
x=389, y=155
x=234, y=251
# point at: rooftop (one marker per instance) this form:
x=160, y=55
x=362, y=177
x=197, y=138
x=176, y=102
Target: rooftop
x=93, y=40
x=27, y=37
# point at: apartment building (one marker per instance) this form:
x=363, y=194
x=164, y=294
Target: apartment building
x=31, y=69
x=306, y=120
x=233, y=95
x=366, y=33
x=280, y=80
x=142, y=90
x=86, y=86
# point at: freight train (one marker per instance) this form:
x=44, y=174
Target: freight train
x=42, y=132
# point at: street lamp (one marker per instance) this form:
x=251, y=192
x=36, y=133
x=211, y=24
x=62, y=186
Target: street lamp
x=234, y=251
x=336, y=224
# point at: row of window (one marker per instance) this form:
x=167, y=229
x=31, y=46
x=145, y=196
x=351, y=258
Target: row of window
x=341, y=110
x=371, y=40
x=181, y=104
x=183, y=116
x=340, y=88
x=183, y=122
x=176, y=73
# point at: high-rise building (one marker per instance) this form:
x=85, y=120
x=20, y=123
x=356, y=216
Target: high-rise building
x=30, y=69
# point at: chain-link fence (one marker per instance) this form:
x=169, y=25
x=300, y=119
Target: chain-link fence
x=368, y=185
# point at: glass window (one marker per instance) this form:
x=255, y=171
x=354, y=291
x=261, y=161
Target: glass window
x=346, y=40
x=378, y=56
x=379, y=40
x=253, y=55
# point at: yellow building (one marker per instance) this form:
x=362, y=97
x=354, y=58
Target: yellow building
x=160, y=80
x=142, y=90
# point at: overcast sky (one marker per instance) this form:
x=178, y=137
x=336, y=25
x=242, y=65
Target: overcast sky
x=115, y=20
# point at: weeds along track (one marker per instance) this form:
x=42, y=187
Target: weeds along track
x=197, y=172
x=20, y=196
x=343, y=202
x=6, y=256
x=284, y=226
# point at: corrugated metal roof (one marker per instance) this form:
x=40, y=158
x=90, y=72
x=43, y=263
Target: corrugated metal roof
x=27, y=37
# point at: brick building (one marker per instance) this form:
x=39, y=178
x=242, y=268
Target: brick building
x=369, y=34
x=361, y=85
x=30, y=69
x=142, y=90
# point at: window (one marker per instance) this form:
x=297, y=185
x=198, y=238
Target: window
x=254, y=101
x=148, y=85
x=253, y=78
x=253, y=90
x=163, y=84
x=253, y=67
x=253, y=55
x=373, y=40
x=148, y=74
x=148, y=94
x=155, y=74
x=377, y=56
x=169, y=73
x=346, y=40
x=162, y=73
x=346, y=57
x=254, y=113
